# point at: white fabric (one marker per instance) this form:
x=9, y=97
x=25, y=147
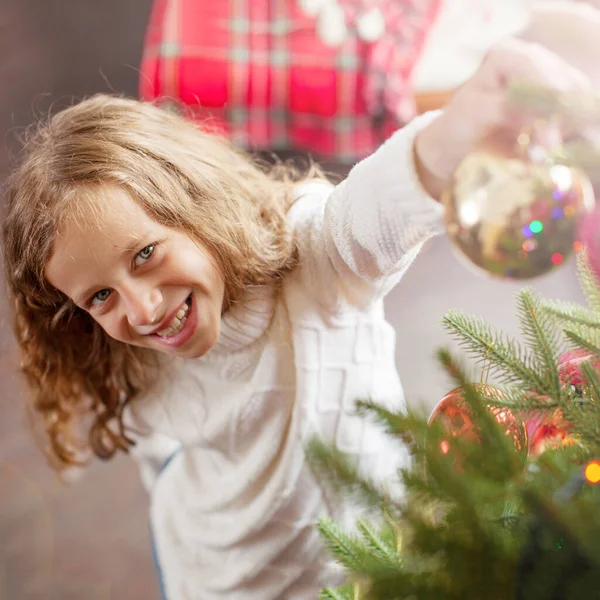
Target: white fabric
x=461, y=36
x=233, y=513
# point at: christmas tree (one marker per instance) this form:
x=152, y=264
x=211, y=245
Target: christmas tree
x=500, y=500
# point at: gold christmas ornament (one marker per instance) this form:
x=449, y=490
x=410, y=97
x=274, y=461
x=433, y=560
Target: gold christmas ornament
x=512, y=210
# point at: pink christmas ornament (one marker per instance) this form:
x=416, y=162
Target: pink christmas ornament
x=569, y=369
x=589, y=238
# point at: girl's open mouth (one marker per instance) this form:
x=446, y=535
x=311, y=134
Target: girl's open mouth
x=181, y=326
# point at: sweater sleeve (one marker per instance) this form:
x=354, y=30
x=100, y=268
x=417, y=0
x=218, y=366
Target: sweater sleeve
x=363, y=234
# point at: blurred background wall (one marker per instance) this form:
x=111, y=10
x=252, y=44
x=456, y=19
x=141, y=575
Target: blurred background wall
x=89, y=541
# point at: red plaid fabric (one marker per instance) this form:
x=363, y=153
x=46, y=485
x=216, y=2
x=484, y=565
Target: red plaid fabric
x=257, y=70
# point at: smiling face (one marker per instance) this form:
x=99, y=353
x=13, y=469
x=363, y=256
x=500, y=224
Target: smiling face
x=146, y=284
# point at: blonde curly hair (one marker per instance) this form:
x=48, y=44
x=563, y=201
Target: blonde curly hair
x=184, y=178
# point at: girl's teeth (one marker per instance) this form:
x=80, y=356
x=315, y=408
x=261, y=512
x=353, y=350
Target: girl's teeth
x=176, y=325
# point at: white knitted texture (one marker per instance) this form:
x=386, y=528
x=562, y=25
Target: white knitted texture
x=233, y=513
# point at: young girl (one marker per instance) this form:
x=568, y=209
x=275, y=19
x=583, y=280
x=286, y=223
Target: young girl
x=174, y=300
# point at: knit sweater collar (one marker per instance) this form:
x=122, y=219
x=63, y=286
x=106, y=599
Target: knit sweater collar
x=246, y=321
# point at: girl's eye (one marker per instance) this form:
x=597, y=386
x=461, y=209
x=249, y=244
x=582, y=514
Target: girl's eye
x=143, y=255
x=100, y=297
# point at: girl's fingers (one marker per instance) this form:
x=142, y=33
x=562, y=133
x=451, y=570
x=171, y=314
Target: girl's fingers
x=533, y=63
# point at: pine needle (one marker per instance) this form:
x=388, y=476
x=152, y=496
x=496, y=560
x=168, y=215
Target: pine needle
x=588, y=281
x=506, y=357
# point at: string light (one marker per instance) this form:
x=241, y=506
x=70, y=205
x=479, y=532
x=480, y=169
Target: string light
x=592, y=472
x=536, y=226
x=557, y=258
x=528, y=245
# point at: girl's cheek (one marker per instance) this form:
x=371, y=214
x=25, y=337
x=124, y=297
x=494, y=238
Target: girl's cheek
x=113, y=329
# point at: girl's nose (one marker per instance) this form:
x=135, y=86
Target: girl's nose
x=143, y=307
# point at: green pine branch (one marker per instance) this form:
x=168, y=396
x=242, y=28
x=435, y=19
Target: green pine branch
x=347, y=549
x=588, y=281
x=345, y=593
x=378, y=545
x=488, y=347
x=591, y=396
x=406, y=427
x=543, y=339
x=583, y=338
x=522, y=401
x=340, y=471
x=356, y=553
x=584, y=414
x=481, y=518
x=572, y=313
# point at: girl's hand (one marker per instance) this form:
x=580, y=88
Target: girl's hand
x=480, y=107
x=571, y=30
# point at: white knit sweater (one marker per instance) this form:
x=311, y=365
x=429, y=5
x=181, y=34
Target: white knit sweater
x=233, y=512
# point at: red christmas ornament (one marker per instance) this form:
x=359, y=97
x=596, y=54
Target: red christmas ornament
x=456, y=417
x=548, y=430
